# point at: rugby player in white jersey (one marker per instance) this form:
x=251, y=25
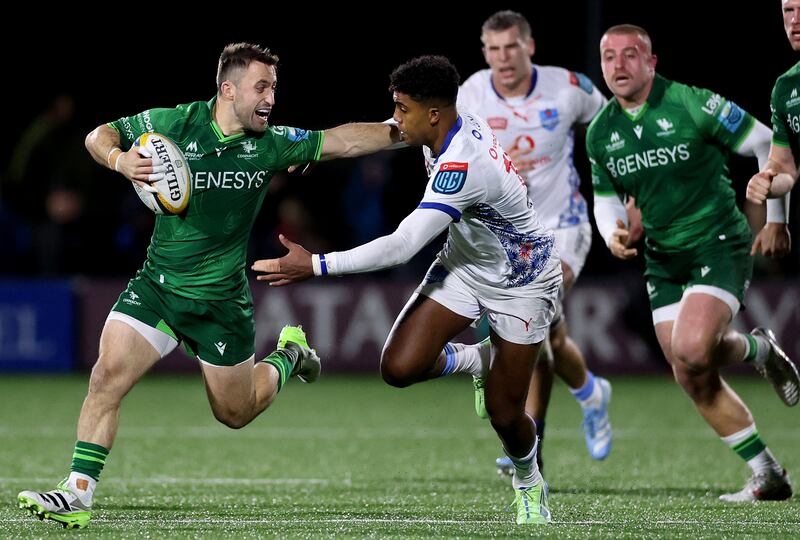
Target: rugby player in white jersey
x=498, y=259
x=534, y=110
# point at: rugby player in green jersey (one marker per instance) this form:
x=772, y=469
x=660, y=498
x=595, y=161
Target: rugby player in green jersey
x=666, y=144
x=192, y=287
x=780, y=173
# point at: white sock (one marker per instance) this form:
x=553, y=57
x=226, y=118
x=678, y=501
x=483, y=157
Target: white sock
x=526, y=471
x=765, y=462
x=762, y=348
x=82, y=486
x=762, y=462
x=472, y=359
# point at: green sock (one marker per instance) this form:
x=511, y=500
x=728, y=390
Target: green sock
x=750, y=447
x=89, y=459
x=284, y=363
x=752, y=350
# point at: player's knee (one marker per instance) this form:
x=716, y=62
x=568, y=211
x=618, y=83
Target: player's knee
x=394, y=372
x=232, y=418
x=106, y=380
x=403, y=365
x=558, y=335
x=699, y=386
x=503, y=412
x=693, y=352
x=503, y=418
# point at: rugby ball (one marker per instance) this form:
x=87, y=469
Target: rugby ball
x=170, y=194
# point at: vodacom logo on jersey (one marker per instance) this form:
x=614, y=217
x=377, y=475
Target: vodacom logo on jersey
x=520, y=150
x=523, y=144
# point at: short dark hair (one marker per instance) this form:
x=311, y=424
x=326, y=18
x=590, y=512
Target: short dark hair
x=631, y=30
x=237, y=56
x=425, y=78
x=503, y=20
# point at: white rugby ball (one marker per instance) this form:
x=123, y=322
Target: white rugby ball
x=171, y=194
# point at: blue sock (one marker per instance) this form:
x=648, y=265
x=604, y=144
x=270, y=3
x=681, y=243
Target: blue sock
x=584, y=392
x=450, y=359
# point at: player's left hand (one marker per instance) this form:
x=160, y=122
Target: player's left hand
x=293, y=267
x=758, y=186
x=773, y=240
x=635, y=227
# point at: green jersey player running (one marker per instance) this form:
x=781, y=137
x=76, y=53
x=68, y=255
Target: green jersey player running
x=192, y=287
x=780, y=173
x=666, y=144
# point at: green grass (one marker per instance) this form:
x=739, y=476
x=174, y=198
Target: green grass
x=352, y=457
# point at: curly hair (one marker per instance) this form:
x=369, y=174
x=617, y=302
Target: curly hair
x=426, y=78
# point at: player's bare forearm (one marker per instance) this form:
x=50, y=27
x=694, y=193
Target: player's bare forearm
x=782, y=162
x=100, y=142
x=781, y=185
x=103, y=144
x=352, y=140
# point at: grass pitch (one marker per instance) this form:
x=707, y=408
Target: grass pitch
x=352, y=457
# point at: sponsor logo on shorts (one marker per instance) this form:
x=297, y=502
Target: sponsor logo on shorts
x=131, y=300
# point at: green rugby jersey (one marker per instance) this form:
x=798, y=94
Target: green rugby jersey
x=672, y=158
x=201, y=253
x=785, y=105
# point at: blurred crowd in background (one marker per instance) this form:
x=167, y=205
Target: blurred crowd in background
x=61, y=214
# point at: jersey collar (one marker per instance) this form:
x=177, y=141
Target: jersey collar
x=449, y=138
x=216, y=129
x=653, y=99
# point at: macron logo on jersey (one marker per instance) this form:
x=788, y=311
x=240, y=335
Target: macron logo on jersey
x=450, y=177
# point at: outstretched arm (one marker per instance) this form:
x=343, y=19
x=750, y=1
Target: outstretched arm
x=352, y=140
x=413, y=233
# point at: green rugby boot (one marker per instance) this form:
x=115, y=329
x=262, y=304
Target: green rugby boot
x=308, y=366
x=531, y=504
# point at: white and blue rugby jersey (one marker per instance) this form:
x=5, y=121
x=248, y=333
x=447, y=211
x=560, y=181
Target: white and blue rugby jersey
x=537, y=129
x=495, y=238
